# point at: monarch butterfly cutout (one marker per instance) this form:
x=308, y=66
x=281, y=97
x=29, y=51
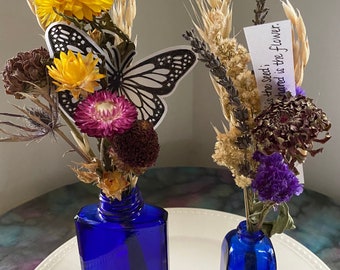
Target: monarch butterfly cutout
x=144, y=83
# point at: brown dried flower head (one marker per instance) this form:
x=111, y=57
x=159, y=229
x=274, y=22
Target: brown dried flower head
x=136, y=149
x=290, y=126
x=24, y=71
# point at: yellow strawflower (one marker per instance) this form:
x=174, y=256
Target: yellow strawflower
x=75, y=73
x=81, y=9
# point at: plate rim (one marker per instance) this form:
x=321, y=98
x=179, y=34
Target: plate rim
x=300, y=250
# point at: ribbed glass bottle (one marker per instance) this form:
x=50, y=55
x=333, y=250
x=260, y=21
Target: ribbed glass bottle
x=122, y=235
x=244, y=250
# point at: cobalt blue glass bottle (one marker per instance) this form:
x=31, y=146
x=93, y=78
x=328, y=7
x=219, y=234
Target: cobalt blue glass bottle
x=244, y=250
x=122, y=235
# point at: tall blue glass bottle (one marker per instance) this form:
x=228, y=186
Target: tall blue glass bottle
x=244, y=250
x=122, y=235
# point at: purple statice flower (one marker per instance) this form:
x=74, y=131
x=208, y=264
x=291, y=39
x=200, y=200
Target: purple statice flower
x=104, y=114
x=300, y=91
x=274, y=181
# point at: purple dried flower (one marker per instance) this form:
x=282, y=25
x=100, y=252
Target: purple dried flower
x=104, y=114
x=274, y=181
x=300, y=91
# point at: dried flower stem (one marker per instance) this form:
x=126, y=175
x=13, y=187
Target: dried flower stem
x=209, y=13
x=241, y=114
x=255, y=216
x=246, y=206
x=124, y=13
x=218, y=71
x=102, y=150
x=86, y=156
x=74, y=147
x=300, y=41
x=262, y=216
x=260, y=12
x=215, y=66
x=54, y=110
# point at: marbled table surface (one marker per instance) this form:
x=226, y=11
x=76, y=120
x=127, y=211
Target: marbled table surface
x=33, y=230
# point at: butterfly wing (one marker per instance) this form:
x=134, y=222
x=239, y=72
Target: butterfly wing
x=146, y=82
x=61, y=37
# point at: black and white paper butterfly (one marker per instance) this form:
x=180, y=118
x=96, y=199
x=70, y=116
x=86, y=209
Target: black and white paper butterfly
x=144, y=83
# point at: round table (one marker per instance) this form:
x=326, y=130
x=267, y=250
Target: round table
x=30, y=232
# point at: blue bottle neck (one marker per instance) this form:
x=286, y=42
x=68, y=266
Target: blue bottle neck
x=128, y=208
x=247, y=236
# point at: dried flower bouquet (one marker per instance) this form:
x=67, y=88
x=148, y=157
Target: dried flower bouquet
x=87, y=81
x=261, y=147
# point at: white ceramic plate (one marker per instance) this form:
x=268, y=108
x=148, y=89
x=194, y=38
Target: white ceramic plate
x=195, y=237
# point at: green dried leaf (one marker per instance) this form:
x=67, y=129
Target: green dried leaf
x=284, y=221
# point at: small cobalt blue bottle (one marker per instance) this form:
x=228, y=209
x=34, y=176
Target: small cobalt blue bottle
x=122, y=235
x=244, y=250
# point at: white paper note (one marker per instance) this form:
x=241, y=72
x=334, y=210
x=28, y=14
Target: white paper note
x=271, y=51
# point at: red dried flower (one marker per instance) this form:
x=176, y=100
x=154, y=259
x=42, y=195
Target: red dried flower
x=136, y=149
x=290, y=126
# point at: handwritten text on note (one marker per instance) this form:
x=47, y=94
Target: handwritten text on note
x=270, y=47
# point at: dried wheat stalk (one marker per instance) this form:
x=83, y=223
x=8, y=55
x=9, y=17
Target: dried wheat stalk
x=300, y=41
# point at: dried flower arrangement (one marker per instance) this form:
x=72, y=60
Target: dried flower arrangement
x=87, y=81
x=260, y=146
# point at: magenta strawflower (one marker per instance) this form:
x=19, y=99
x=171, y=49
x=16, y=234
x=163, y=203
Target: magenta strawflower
x=104, y=114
